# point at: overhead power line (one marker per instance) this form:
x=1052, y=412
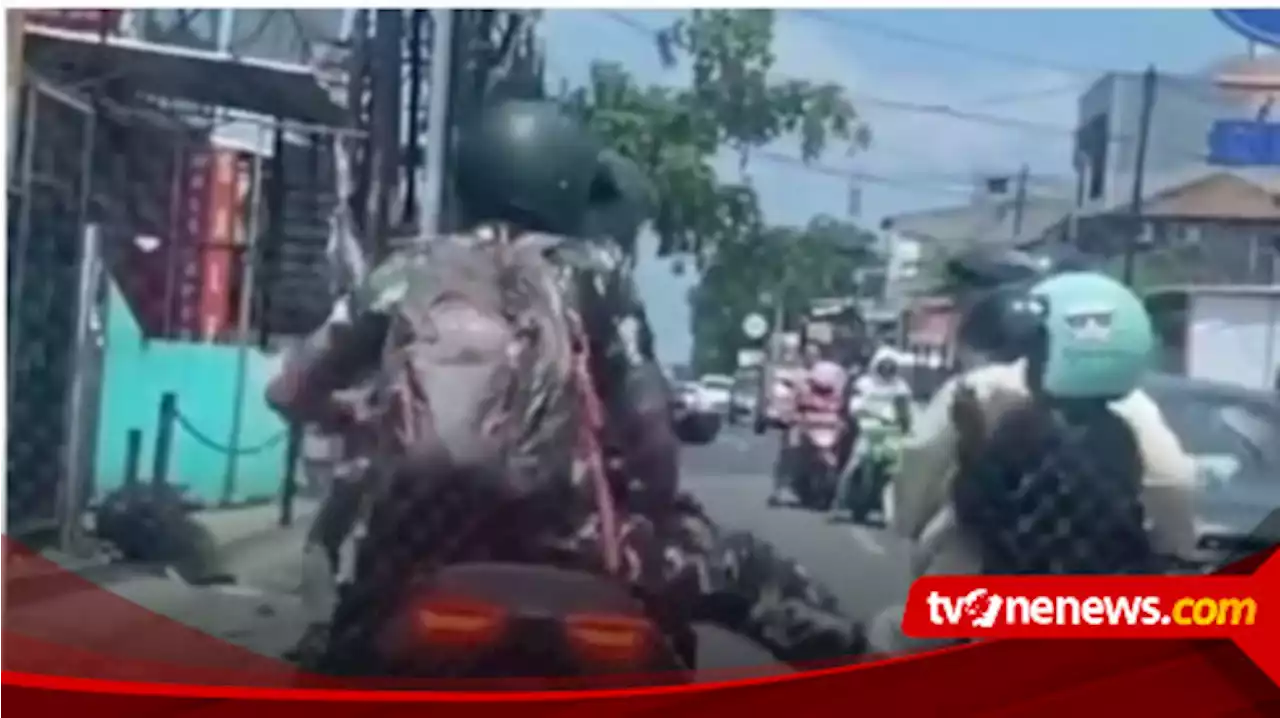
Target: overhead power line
x=870, y=27
x=946, y=110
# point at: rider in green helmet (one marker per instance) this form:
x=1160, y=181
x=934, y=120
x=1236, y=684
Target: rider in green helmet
x=1060, y=353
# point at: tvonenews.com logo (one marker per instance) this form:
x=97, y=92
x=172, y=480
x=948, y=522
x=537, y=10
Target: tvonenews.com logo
x=983, y=609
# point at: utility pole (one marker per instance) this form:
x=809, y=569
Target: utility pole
x=1139, y=172
x=384, y=142
x=1020, y=201
x=439, y=98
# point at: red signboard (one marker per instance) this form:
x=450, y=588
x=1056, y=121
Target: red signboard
x=219, y=250
x=191, y=232
x=930, y=324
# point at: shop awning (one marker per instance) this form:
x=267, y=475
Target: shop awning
x=276, y=89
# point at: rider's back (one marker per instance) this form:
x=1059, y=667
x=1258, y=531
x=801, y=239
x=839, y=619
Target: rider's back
x=1054, y=491
x=479, y=408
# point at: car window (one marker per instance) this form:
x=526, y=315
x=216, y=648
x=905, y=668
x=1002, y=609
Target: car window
x=717, y=382
x=1211, y=428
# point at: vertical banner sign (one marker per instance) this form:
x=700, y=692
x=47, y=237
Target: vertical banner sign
x=218, y=251
x=192, y=224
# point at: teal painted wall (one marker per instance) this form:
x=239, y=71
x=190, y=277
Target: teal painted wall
x=139, y=371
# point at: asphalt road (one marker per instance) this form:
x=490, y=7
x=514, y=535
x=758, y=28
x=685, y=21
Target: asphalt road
x=863, y=567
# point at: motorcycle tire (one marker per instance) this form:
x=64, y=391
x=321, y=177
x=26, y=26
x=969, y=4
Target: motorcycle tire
x=860, y=494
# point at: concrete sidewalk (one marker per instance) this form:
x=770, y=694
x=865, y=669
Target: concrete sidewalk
x=39, y=577
x=234, y=528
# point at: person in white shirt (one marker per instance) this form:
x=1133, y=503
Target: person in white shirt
x=880, y=391
x=996, y=381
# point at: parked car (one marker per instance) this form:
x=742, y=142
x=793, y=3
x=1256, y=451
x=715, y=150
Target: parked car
x=693, y=414
x=1234, y=435
x=745, y=396
x=718, y=391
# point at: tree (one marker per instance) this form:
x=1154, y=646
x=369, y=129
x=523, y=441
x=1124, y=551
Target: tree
x=731, y=102
x=784, y=265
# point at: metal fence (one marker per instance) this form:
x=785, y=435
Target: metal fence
x=54, y=311
x=137, y=346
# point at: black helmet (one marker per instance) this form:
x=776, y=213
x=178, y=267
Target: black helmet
x=621, y=200
x=991, y=285
x=528, y=163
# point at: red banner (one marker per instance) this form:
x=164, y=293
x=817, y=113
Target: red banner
x=930, y=324
x=190, y=232
x=219, y=251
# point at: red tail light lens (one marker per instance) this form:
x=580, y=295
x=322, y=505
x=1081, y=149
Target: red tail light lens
x=610, y=638
x=463, y=624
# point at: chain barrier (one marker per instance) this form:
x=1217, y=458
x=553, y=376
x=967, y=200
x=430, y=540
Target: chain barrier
x=212, y=445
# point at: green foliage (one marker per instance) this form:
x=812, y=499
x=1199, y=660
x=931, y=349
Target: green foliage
x=731, y=101
x=675, y=134
x=784, y=265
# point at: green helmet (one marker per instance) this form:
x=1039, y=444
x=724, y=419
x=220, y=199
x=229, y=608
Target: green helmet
x=1098, y=338
x=528, y=163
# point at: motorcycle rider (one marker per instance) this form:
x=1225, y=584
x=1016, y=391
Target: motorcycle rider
x=883, y=391
x=996, y=335
x=817, y=371
x=525, y=163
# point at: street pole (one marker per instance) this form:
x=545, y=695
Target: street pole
x=388, y=83
x=1020, y=202
x=437, y=141
x=1082, y=182
x=1139, y=172
x=249, y=261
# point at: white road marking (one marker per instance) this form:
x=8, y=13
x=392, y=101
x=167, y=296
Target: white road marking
x=172, y=574
x=867, y=541
x=240, y=590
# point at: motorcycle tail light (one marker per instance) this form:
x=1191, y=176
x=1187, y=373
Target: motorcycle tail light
x=460, y=623
x=609, y=638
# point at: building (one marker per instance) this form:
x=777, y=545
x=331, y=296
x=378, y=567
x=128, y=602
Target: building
x=996, y=214
x=1205, y=219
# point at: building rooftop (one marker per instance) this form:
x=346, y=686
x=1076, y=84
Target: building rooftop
x=990, y=222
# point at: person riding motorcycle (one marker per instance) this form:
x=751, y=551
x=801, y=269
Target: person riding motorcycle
x=817, y=393
x=526, y=166
x=880, y=392
x=1002, y=336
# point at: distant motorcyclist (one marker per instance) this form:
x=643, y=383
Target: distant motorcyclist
x=884, y=388
x=817, y=391
x=1051, y=390
x=879, y=393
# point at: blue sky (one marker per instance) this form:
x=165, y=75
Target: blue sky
x=1046, y=58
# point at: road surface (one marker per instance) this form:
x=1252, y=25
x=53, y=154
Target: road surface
x=863, y=567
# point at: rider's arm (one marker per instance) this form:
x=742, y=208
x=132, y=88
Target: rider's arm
x=635, y=392
x=923, y=487
x=928, y=457
x=334, y=357
x=1169, y=478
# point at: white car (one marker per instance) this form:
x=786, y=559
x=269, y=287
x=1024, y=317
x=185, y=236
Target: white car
x=717, y=392
x=695, y=422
